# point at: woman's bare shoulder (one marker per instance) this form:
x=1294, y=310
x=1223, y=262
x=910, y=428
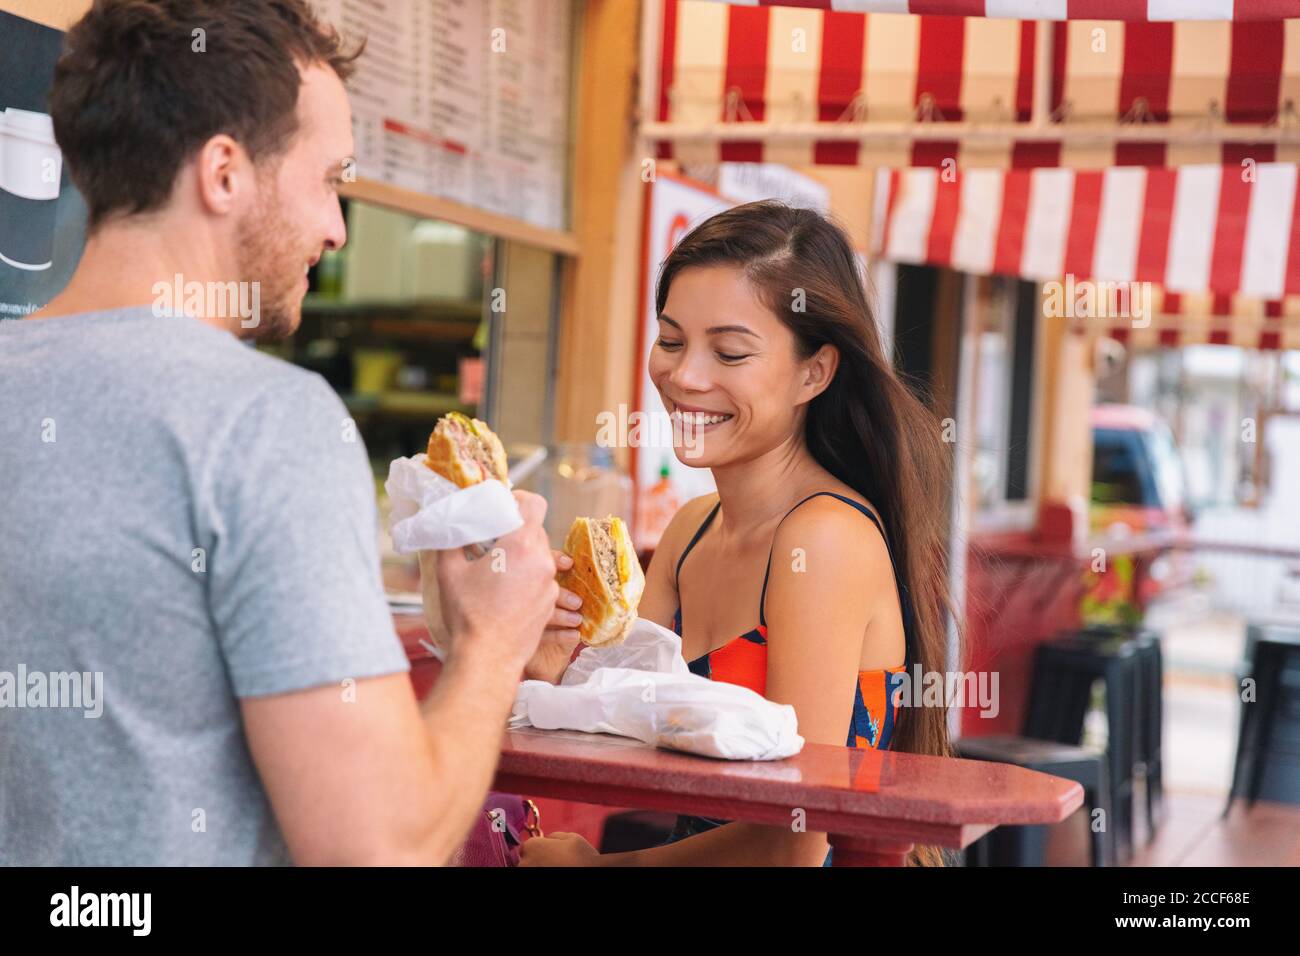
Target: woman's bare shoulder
x=854, y=574
x=821, y=521
x=827, y=506
x=846, y=491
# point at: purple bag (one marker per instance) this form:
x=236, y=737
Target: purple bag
x=498, y=832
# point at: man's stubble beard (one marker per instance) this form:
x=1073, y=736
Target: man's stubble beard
x=268, y=256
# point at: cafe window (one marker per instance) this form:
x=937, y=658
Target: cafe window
x=416, y=317
x=1005, y=320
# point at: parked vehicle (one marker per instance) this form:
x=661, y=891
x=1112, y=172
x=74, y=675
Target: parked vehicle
x=1139, y=485
x=1137, y=475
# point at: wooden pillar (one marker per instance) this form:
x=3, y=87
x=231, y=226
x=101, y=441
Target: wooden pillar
x=852, y=193
x=1065, y=464
x=600, y=311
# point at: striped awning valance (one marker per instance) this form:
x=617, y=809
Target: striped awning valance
x=1133, y=10
x=812, y=86
x=1202, y=319
x=1220, y=245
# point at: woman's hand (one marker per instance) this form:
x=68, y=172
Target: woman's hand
x=561, y=634
x=507, y=606
x=558, y=849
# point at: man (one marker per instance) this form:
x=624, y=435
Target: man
x=187, y=526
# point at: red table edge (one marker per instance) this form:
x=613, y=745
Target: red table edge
x=583, y=776
x=891, y=836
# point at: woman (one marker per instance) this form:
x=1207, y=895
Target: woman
x=816, y=574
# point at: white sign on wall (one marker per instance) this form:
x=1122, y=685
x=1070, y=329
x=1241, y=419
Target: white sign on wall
x=676, y=206
x=750, y=182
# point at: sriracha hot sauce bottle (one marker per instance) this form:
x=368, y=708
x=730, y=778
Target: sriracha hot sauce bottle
x=658, y=505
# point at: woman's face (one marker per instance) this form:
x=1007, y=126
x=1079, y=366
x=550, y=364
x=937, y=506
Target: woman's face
x=727, y=369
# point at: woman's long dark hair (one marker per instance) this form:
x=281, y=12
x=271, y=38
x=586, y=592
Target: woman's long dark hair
x=866, y=428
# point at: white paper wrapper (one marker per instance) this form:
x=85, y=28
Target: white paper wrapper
x=643, y=689
x=430, y=513
x=647, y=647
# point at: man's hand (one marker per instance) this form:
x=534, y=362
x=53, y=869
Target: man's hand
x=505, y=597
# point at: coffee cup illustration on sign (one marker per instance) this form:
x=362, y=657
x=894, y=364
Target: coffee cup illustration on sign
x=31, y=168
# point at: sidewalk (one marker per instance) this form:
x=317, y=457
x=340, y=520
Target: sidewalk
x=1201, y=654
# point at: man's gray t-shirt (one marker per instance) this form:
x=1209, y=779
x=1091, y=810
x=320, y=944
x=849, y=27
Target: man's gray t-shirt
x=195, y=521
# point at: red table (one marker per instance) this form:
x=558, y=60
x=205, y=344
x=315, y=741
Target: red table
x=874, y=806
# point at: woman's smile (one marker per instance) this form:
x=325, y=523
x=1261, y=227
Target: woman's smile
x=697, y=419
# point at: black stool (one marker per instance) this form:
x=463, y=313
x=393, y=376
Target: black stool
x=1064, y=672
x=1027, y=845
x=1267, y=764
x=1150, y=732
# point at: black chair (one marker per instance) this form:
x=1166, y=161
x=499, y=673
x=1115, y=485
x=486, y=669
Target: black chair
x=1267, y=765
x=1027, y=845
x=1065, y=670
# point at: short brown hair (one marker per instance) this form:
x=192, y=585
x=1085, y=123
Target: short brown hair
x=139, y=89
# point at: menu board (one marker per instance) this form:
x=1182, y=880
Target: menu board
x=464, y=99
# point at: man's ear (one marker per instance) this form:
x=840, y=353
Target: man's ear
x=819, y=371
x=221, y=170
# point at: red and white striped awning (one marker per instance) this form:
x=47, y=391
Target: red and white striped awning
x=1216, y=240
x=1135, y=10
x=1205, y=319
x=806, y=86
